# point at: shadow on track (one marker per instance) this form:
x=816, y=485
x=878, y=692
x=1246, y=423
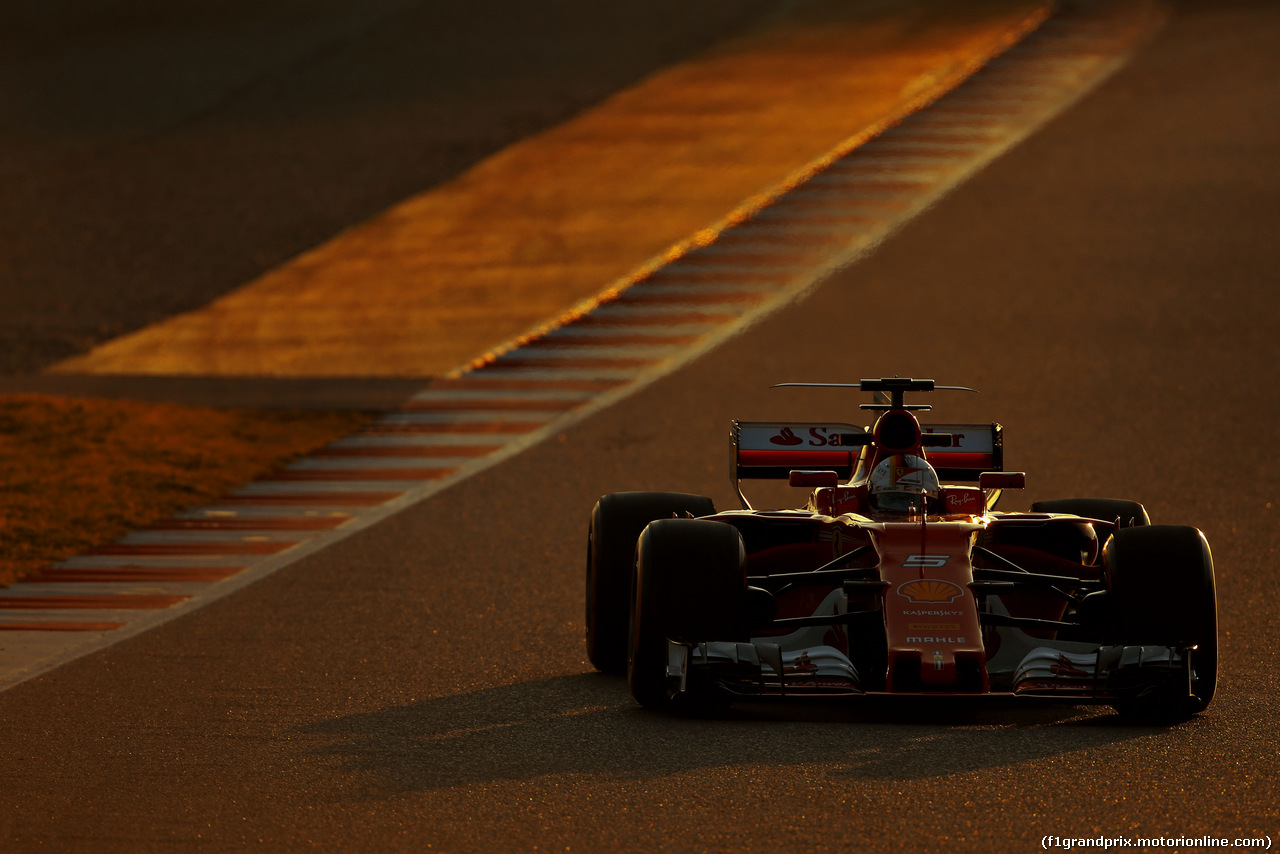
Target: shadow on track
x=586, y=724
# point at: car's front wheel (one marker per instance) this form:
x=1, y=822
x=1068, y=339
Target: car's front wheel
x=1162, y=592
x=616, y=523
x=689, y=586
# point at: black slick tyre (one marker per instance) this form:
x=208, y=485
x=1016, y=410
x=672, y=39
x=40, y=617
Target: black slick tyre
x=616, y=523
x=1162, y=592
x=689, y=587
x=1127, y=514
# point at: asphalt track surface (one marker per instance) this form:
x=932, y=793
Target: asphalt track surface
x=422, y=685
x=155, y=156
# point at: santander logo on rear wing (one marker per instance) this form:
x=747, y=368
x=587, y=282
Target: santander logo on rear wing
x=773, y=449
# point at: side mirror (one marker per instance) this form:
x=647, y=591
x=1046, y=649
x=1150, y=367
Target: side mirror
x=812, y=479
x=1002, y=480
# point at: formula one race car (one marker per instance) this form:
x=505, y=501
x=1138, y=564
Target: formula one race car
x=891, y=583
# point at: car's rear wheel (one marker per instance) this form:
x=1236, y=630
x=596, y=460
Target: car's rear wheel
x=689, y=586
x=616, y=523
x=1125, y=513
x=1162, y=592
x=1129, y=514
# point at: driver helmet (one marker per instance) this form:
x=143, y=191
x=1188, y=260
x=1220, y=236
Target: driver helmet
x=903, y=484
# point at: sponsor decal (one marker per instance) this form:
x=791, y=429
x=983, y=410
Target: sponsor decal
x=935, y=640
x=931, y=561
x=933, y=627
x=819, y=437
x=1066, y=667
x=822, y=438
x=898, y=473
x=930, y=591
x=800, y=664
x=920, y=612
x=909, y=475
x=963, y=502
x=786, y=437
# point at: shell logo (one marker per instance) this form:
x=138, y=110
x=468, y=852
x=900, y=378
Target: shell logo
x=930, y=591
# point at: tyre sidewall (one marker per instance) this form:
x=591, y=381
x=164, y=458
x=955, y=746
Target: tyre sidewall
x=1161, y=585
x=616, y=523
x=689, y=587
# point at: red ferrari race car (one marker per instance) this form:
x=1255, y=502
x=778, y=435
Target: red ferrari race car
x=898, y=577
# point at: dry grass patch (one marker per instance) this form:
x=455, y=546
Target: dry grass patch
x=79, y=473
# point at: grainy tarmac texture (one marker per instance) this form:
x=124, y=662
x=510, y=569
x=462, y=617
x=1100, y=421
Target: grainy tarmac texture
x=1108, y=284
x=156, y=156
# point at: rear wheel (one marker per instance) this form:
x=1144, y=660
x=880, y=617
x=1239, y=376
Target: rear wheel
x=1129, y=514
x=1125, y=513
x=1162, y=593
x=689, y=586
x=616, y=523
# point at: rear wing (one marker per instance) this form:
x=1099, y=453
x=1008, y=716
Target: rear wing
x=770, y=450
x=773, y=449
x=974, y=448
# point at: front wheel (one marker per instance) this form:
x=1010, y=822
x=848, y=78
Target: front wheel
x=1162, y=592
x=616, y=523
x=689, y=586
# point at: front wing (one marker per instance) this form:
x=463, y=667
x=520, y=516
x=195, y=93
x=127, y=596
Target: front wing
x=1071, y=672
